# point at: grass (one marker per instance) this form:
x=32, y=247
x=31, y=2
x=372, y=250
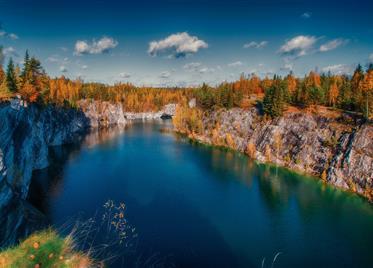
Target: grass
x=45, y=249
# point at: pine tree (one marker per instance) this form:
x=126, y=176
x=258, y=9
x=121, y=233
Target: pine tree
x=11, y=77
x=357, y=94
x=366, y=86
x=26, y=64
x=274, y=101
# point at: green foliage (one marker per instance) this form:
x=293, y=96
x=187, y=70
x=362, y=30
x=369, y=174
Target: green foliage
x=275, y=99
x=224, y=96
x=11, y=76
x=44, y=249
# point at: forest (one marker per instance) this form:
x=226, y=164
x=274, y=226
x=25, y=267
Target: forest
x=348, y=93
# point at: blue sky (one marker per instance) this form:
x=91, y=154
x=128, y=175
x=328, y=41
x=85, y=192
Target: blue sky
x=186, y=42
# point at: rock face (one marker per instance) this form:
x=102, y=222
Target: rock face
x=25, y=135
x=168, y=111
x=340, y=154
x=102, y=114
x=27, y=131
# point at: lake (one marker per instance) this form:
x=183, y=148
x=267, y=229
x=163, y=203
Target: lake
x=191, y=205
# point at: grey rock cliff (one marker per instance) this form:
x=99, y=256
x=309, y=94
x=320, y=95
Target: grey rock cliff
x=325, y=147
x=25, y=135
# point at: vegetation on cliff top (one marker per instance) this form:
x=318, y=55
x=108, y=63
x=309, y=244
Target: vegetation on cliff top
x=337, y=91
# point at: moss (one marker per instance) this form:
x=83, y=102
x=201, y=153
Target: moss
x=44, y=249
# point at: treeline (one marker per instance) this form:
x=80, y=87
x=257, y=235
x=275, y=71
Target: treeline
x=353, y=93
x=32, y=84
x=337, y=91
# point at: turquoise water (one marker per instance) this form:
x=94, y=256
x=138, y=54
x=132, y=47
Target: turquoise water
x=197, y=206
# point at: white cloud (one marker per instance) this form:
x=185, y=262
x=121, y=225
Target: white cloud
x=104, y=45
x=10, y=51
x=287, y=67
x=306, y=15
x=206, y=70
x=298, y=46
x=124, y=75
x=338, y=69
x=371, y=57
x=332, y=45
x=235, y=64
x=4, y=33
x=53, y=59
x=165, y=74
x=84, y=67
x=198, y=67
x=254, y=44
x=63, y=69
x=177, y=45
x=192, y=66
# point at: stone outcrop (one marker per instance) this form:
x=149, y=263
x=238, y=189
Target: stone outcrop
x=167, y=112
x=340, y=153
x=102, y=113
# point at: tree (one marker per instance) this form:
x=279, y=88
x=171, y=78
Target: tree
x=357, y=77
x=333, y=94
x=275, y=99
x=4, y=91
x=366, y=86
x=26, y=65
x=29, y=92
x=11, y=77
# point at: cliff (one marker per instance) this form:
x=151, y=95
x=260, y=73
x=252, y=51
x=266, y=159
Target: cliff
x=336, y=149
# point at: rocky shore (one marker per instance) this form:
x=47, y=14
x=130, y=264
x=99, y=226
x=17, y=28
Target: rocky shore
x=338, y=149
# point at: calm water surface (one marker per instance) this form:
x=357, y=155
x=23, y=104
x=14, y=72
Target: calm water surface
x=196, y=206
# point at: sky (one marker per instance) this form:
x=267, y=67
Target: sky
x=187, y=42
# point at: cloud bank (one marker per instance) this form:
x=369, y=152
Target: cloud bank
x=177, y=45
x=331, y=45
x=104, y=45
x=298, y=46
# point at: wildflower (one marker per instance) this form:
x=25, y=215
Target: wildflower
x=50, y=256
x=32, y=256
x=36, y=245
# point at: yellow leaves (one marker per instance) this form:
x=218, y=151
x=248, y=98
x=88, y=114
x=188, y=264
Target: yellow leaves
x=230, y=141
x=36, y=245
x=313, y=80
x=267, y=153
x=333, y=94
x=324, y=175
x=291, y=83
x=29, y=92
x=250, y=150
x=188, y=120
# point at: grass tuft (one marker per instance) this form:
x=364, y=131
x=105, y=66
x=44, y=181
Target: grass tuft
x=45, y=249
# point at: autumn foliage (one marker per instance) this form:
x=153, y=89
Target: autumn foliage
x=276, y=93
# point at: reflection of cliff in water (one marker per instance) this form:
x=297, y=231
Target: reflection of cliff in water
x=22, y=217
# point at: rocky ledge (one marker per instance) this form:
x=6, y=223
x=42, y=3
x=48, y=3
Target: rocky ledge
x=335, y=149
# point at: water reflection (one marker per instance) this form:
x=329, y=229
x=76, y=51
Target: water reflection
x=199, y=206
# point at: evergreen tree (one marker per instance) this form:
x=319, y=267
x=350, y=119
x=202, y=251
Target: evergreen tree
x=11, y=76
x=274, y=101
x=26, y=64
